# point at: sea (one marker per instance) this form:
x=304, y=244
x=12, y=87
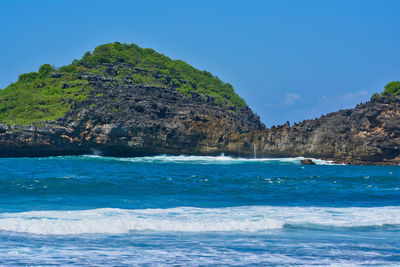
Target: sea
x=197, y=211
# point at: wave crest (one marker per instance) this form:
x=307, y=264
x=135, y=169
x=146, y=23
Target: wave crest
x=222, y=159
x=190, y=219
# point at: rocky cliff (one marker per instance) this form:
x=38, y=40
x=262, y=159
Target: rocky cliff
x=122, y=100
x=367, y=134
x=119, y=118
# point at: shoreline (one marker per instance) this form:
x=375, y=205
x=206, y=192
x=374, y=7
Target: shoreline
x=202, y=156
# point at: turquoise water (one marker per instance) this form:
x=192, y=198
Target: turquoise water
x=164, y=210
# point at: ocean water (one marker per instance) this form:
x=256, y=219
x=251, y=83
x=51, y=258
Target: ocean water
x=197, y=211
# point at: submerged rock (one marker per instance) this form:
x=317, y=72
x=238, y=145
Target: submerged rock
x=307, y=162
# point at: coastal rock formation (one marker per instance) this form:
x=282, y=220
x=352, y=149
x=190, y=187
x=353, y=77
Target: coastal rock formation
x=123, y=100
x=307, y=162
x=367, y=134
x=121, y=119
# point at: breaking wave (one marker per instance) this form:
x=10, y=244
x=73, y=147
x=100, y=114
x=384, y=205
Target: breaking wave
x=221, y=159
x=191, y=219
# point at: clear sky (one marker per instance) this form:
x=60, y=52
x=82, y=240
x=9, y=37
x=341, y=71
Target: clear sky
x=290, y=60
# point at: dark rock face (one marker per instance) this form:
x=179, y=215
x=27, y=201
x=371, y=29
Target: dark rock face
x=367, y=134
x=307, y=162
x=122, y=119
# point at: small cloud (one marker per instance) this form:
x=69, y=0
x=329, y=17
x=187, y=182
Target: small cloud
x=348, y=97
x=291, y=99
x=352, y=96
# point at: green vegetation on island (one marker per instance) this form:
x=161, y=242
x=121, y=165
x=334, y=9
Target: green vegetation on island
x=51, y=92
x=390, y=89
x=37, y=96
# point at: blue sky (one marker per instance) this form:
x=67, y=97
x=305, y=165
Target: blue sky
x=290, y=60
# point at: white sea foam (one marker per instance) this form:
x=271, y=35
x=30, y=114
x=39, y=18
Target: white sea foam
x=190, y=219
x=161, y=252
x=221, y=159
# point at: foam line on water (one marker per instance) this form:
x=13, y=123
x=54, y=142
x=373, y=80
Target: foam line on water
x=191, y=219
x=222, y=159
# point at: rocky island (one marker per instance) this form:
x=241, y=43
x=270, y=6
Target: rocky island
x=123, y=100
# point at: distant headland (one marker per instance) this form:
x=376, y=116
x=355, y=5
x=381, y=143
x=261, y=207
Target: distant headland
x=123, y=100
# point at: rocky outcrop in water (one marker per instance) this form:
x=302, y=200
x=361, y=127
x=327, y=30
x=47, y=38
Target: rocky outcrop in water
x=123, y=119
x=367, y=134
